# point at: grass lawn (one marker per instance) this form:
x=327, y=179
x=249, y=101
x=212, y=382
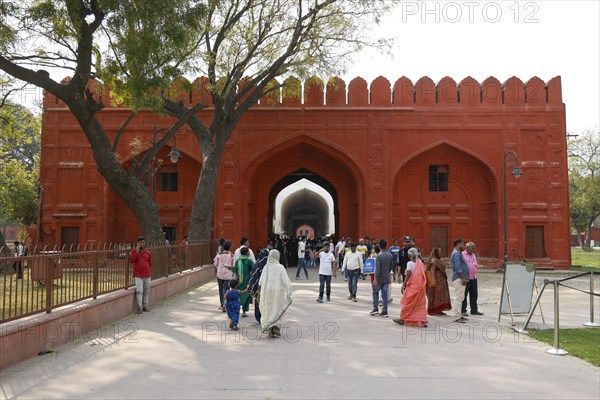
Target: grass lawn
x=583, y=343
x=585, y=260
x=24, y=296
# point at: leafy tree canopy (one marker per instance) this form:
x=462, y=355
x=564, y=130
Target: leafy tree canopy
x=138, y=47
x=584, y=180
x=19, y=163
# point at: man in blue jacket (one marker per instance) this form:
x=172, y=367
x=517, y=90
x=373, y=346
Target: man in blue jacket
x=460, y=277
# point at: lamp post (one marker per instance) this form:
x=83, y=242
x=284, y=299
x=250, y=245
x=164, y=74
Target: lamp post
x=516, y=172
x=174, y=155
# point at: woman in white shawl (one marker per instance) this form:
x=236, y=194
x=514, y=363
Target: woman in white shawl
x=275, y=294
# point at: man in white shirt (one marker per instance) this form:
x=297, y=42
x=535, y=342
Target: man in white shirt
x=353, y=262
x=18, y=264
x=244, y=242
x=338, y=251
x=326, y=269
x=301, y=263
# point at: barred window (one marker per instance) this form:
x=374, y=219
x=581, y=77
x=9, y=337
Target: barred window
x=167, y=178
x=438, y=178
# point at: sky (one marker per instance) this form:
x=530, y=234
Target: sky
x=487, y=38
x=495, y=38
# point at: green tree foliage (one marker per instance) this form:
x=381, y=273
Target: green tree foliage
x=250, y=47
x=149, y=47
x=19, y=164
x=138, y=47
x=78, y=39
x=584, y=182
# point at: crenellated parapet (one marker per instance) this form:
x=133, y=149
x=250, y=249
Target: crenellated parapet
x=314, y=92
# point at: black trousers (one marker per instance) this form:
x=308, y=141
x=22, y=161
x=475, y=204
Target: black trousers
x=471, y=293
x=18, y=268
x=257, y=314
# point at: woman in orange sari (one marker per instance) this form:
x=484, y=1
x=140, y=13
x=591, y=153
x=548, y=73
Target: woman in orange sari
x=414, y=300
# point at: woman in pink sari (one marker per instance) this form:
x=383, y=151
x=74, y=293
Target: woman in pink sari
x=414, y=300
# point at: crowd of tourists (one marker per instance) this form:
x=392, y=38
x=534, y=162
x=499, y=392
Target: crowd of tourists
x=244, y=279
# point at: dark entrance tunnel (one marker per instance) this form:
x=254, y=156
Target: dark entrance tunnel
x=305, y=207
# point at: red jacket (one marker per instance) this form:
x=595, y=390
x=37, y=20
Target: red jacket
x=141, y=263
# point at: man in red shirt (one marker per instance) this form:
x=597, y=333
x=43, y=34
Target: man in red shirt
x=141, y=258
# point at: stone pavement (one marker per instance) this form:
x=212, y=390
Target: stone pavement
x=183, y=348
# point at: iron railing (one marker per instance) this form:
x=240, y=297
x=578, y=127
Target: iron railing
x=53, y=277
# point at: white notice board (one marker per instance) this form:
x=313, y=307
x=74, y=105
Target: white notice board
x=518, y=284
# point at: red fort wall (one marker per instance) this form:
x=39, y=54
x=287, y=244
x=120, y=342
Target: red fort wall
x=371, y=145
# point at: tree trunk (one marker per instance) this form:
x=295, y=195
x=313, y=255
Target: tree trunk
x=580, y=240
x=202, y=208
x=131, y=189
x=3, y=244
x=588, y=234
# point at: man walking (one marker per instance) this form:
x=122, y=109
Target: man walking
x=18, y=264
x=141, y=258
x=395, y=252
x=353, y=261
x=471, y=288
x=460, y=273
x=338, y=251
x=381, y=279
x=244, y=242
x=326, y=269
x=403, y=258
x=301, y=262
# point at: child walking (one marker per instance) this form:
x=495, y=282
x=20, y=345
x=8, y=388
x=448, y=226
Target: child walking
x=232, y=303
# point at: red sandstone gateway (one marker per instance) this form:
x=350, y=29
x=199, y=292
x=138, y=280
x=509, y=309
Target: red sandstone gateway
x=420, y=159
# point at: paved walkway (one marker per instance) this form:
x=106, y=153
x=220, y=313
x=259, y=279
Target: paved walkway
x=335, y=350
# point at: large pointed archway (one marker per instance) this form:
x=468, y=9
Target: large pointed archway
x=293, y=158
x=443, y=193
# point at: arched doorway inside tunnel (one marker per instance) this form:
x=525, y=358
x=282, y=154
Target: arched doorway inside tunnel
x=303, y=200
x=304, y=209
x=298, y=156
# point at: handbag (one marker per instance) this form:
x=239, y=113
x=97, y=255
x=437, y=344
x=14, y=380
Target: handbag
x=430, y=279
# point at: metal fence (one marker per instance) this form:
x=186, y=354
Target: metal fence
x=47, y=278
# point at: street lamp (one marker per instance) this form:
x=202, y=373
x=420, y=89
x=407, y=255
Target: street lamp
x=516, y=172
x=174, y=155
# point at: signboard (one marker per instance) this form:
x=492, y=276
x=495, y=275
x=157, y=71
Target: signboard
x=517, y=288
x=369, y=266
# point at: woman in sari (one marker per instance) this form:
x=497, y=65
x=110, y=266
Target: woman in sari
x=414, y=300
x=438, y=296
x=253, y=284
x=243, y=270
x=275, y=294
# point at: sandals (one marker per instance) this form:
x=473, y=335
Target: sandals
x=274, y=332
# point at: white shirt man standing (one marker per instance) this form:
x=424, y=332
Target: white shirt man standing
x=326, y=269
x=353, y=262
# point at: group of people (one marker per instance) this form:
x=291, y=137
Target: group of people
x=244, y=279
x=424, y=286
